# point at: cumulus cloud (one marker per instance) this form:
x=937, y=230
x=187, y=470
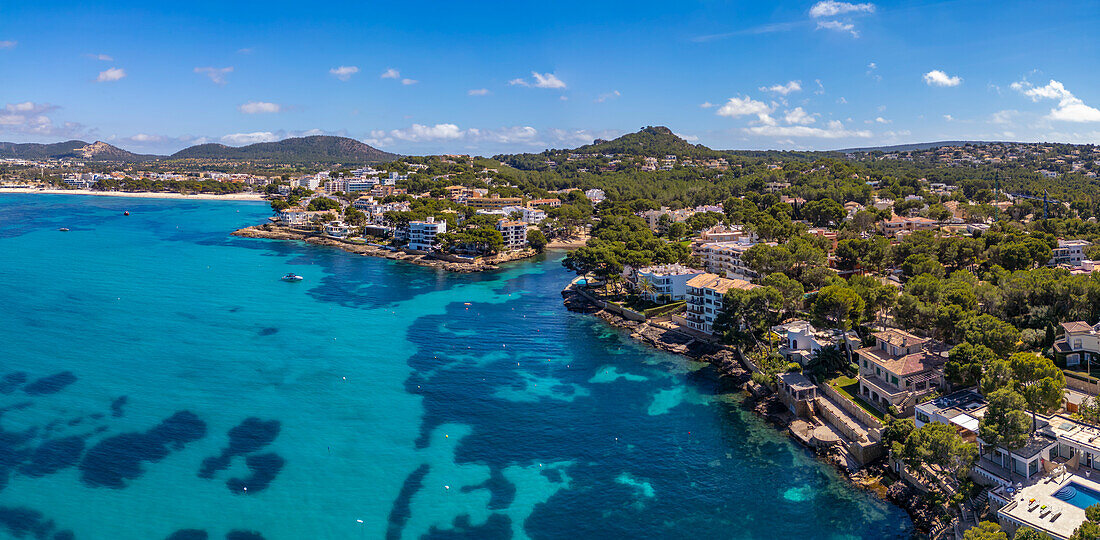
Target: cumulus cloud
x=110, y=75
x=829, y=8
x=798, y=116
x=240, y=139
x=343, y=72
x=881, y=120
x=1070, y=107
x=260, y=107
x=838, y=26
x=939, y=78
x=32, y=118
x=834, y=130
x=948, y=117
x=478, y=92
x=390, y=74
x=217, y=75
x=783, y=89
x=706, y=105
x=100, y=57
x=408, y=82
x=744, y=106
x=7, y=44
x=541, y=80
x=419, y=132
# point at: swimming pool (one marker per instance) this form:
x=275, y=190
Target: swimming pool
x=1078, y=495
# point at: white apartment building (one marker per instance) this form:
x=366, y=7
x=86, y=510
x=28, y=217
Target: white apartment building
x=725, y=258
x=294, y=215
x=337, y=229
x=514, y=233
x=595, y=195
x=669, y=280
x=1070, y=252
x=422, y=234
x=704, y=299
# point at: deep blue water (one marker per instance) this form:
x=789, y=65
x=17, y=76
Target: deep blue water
x=158, y=380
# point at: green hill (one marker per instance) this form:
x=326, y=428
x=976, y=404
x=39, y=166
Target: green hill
x=315, y=149
x=649, y=141
x=97, y=151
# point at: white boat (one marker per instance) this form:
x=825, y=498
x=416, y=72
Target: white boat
x=292, y=277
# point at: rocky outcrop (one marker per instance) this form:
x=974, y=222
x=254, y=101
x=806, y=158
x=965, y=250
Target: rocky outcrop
x=273, y=232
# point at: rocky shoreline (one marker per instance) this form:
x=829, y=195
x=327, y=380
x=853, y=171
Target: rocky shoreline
x=765, y=403
x=272, y=232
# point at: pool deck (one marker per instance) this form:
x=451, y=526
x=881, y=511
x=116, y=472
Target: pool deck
x=1043, y=493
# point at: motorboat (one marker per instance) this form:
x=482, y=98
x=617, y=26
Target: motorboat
x=292, y=277
x=64, y=229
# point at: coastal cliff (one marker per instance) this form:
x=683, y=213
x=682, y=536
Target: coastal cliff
x=272, y=232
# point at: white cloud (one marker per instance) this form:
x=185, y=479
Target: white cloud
x=100, y=57
x=610, y=95
x=1003, y=117
x=260, y=107
x=829, y=8
x=419, y=132
x=32, y=118
x=881, y=120
x=948, y=117
x=145, y=137
x=784, y=89
x=478, y=92
x=706, y=105
x=688, y=138
x=8, y=44
x=939, y=78
x=834, y=130
x=217, y=75
x=250, y=138
x=541, y=80
x=737, y=106
x=841, y=100
x=798, y=116
x=820, y=87
x=112, y=74
x=343, y=72
x=1070, y=108
x=390, y=74
x=838, y=26
x=408, y=82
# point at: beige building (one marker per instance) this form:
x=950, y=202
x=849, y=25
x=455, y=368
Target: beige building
x=899, y=369
x=704, y=299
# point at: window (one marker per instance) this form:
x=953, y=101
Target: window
x=865, y=363
x=894, y=380
x=878, y=371
x=923, y=417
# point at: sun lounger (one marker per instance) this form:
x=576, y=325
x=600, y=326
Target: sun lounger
x=1055, y=516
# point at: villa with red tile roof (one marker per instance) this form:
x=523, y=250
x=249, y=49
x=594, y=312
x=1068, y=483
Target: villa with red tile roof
x=899, y=369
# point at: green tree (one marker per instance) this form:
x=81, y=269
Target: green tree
x=322, y=203
x=791, y=290
x=990, y=331
x=986, y=530
x=967, y=362
x=941, y=445
x=824, y=213
x=1086, y=531
x=536, y=239
x=1041, y=383
x=1005, y=423
x=998, y=374
x=1092, y=513
x=839, y=306
x=1027, y=533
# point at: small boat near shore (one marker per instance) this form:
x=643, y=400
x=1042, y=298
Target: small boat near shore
x=292, y=277
x=64, y=229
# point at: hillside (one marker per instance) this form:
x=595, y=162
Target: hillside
x=97, y=151
x=315, y=149
x=910, y=147
x=649, y=141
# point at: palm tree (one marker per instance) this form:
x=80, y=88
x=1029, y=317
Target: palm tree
x=645, y=286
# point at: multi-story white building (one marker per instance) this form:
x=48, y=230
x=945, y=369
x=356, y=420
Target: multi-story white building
x=595, y=195
x=725, y=258
x=309, y=182
x=294, y=215
x=704, y=299
x=514, y=233
x=668, y=280
x=337, y=229
x=1070, y=252
x=422, y=234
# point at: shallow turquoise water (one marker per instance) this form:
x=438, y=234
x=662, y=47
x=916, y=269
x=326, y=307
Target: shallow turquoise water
x=422, y=403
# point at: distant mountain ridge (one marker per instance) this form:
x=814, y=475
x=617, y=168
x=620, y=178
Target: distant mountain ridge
x=74, y=149
x=313, y=149
x=911, y=147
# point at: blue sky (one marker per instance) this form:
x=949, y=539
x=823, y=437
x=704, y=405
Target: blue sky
x=489, y=77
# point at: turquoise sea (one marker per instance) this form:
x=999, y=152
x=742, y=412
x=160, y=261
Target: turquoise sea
x=158, y=380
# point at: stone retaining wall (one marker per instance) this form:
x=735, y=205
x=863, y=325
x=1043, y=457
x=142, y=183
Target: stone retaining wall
x=851, y=408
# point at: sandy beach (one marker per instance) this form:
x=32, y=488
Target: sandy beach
x=143, y=195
